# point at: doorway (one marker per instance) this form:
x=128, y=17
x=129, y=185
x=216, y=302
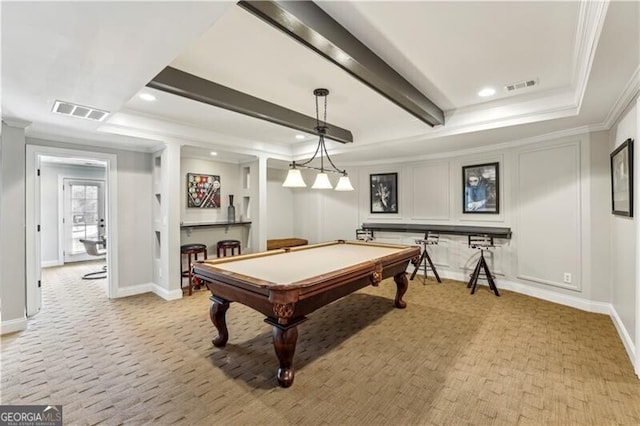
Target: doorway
x=83, y=217
x=86, y=212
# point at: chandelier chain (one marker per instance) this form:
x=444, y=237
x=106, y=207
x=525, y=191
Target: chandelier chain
x=321, y=128
x=317, y=114
x=321, y=124
x=324, y=124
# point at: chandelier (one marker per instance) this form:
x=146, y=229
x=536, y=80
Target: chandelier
x=294, y=177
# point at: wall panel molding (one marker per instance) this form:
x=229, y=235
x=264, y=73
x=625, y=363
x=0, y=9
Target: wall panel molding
x=549, y=196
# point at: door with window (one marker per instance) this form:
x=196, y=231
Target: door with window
x=83, y=216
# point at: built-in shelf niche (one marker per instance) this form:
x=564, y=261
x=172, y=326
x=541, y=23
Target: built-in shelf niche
x=157, y=170
x=157, y=245
x=246, y=177
x=157, y=207
x=246, y=208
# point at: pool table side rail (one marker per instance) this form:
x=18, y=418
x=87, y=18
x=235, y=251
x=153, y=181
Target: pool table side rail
x=222, y=260
x=209, y=269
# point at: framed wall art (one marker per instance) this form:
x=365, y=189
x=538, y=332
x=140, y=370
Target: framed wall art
x=203, y=191
x=622, y=179
x=481, y=188
x=384, y=193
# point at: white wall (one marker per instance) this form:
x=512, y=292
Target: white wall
x=307, y=215
x=623, y=231
x=280, y=214
x=12, y=227
x=134, y=218
x=50, y=198
x=338, y=216
x=315, y=215
x=600, y=241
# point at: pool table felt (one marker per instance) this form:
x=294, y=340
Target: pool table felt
x=289, y=268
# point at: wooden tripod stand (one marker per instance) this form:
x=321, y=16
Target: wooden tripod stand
x=425, y=261
x=482, y=243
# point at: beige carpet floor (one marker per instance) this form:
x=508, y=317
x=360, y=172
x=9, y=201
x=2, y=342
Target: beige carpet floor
x=450, y=358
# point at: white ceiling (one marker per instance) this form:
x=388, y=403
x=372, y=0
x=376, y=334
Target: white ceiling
x=584, y=57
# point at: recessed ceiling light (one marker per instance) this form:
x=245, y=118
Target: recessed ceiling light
x=213, y=153
x=147, y=97
x=487, y=91
x=299, y=137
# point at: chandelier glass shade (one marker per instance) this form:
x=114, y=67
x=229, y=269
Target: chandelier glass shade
x=322, y=181
x=294, y=177
x=344, y=184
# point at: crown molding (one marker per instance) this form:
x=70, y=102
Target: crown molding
x=16, y=122
x=627, y=96
x=561, y=134
x=590, y=22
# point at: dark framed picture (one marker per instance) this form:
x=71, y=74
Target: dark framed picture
x=384, y=193
x=622, y=179
x=203, y=191
x=481, y=188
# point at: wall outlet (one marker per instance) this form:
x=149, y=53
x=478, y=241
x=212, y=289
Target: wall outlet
x=567, y=277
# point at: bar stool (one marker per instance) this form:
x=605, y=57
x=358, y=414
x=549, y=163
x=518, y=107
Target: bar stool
x=430, y=239
x=482, y=243
x=188, y=250
x=223, y=245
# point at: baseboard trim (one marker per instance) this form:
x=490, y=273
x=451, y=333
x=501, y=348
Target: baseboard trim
x=51, y=263
x=624, y=336
x=149, y=288
x=13, y=326
x=133, y=290
x=167, y=294
x=562, y=299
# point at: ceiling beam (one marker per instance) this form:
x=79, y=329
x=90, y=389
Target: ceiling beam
x=180, y=83
x=310, y=25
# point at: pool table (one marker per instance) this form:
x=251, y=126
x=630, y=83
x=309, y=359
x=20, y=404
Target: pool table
x=287, y=284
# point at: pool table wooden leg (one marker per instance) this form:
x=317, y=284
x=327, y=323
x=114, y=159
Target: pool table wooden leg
x=217, y=313
x=403, y=284
x=284, y=343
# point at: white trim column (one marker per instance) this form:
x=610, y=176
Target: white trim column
x=262, y=205
x=171, y=183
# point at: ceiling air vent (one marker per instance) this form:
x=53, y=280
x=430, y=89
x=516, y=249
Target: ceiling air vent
x=67, y=108
x=520, y=85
